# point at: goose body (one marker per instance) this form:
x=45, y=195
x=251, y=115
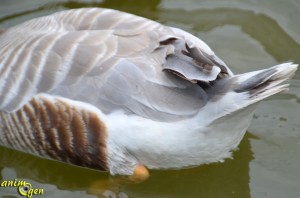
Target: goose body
x=112, y=91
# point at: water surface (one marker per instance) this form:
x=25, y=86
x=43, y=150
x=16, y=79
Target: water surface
x=248, y=35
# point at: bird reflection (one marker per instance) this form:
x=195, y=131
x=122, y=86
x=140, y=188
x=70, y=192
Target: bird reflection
x=43, y=172
x=227, y=179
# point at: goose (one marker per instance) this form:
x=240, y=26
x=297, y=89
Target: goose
x=111, y=91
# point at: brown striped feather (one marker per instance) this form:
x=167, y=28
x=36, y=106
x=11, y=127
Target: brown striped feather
x=96, y=138
x=25, y=128
x=58, y=130
x=78, y=127
x=5, y=128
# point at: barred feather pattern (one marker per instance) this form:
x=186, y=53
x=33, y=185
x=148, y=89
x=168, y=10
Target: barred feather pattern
x=58, y=50
x=75, y=53
x=52, y=128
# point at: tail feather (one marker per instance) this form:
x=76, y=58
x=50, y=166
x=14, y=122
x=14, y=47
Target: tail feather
x=264, y=83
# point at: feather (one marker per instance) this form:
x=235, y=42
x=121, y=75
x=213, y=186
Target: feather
x=117, y=57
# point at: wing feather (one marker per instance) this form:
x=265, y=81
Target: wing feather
x=110, y=59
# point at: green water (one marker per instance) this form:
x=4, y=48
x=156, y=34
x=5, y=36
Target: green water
x=248, y=35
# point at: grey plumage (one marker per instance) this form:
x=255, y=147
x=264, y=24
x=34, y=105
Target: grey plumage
x=92, y=55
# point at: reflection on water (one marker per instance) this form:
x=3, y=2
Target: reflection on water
x=273, y=172
x=228, y=179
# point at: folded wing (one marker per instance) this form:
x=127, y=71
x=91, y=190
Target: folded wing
x=110, y=59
